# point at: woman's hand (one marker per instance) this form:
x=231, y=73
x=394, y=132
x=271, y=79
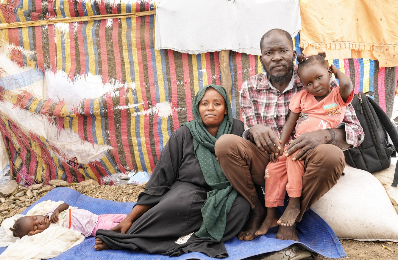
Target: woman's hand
x=265, y=139
x=123, y=226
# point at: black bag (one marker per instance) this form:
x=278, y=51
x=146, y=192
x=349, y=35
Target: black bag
x=374, y=154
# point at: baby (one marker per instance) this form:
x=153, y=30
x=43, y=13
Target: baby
x=84, y=221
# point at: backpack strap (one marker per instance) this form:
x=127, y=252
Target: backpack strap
x=391, y=130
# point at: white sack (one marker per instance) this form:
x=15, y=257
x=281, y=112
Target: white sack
x=192, y=26
x=358, y=207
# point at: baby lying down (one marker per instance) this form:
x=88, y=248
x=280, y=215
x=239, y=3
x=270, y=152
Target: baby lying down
x=81, y=220
x=49, y=229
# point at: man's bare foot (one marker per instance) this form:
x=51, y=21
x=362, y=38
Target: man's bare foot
x=256, y=218
x=287, y=233
x=270, y=221
x=100, y=245
x=291, y=212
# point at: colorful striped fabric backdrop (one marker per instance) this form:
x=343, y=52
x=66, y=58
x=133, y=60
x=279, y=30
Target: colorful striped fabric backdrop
x=122, y=50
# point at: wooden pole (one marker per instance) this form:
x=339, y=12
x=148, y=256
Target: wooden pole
x=73, y=19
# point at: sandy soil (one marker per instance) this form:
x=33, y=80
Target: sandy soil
x=353, y=249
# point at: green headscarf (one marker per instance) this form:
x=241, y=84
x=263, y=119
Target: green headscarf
x=219, y=200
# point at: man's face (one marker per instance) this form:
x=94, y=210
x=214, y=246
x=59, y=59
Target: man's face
x=277, y=57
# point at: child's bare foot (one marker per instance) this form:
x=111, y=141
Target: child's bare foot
x=291, y=212
x=270, y=221
x=287, y=233
x=100, y=245
x=254, y=222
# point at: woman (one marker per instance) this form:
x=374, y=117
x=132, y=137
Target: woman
x=188, y=204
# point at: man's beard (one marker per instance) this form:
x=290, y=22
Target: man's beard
x=279, y=78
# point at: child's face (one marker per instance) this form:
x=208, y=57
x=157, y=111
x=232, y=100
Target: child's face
x=316, y=79
x=32, y=225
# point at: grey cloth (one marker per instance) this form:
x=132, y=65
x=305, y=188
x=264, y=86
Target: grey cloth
x=177, y=189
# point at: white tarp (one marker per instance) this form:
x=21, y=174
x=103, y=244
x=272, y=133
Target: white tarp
x=192, y=26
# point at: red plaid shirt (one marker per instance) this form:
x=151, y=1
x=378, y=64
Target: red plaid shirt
x=262, y=104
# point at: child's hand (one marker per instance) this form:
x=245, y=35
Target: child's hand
x=333, y=69
x=54, y=217
x=274, y=157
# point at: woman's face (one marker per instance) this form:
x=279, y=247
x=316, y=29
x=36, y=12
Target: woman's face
x=212, y=108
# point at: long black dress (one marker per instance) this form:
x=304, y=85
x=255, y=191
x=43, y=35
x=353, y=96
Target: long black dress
x=177, y=189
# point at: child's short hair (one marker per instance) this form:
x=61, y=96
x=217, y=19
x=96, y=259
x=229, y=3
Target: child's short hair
x=17, y=228
x=305, y=61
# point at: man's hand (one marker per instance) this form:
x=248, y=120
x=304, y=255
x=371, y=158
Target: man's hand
x=306, y=142
x=265, y=139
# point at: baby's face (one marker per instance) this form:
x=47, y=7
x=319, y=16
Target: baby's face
x=34, y=224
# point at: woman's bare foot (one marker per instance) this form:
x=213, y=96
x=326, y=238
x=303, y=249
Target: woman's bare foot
x=270, y=221
x=291, y=212
x=254, y=222
x=287, y=233
x=100, y=245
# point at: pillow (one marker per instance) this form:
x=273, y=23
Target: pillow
x=358, y=207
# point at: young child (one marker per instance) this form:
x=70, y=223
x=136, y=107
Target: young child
x=80, y=220
x=316, y=107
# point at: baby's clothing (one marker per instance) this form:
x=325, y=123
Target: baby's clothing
x=85, y=221
x=286, y=174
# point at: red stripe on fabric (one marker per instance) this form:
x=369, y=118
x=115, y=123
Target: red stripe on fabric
x=208, y=69
x=123, y=128
x=39, y=48
x=357, y=75
x=149, y=60
x=112, y=131
x=137, y=7
x=58, y=108
x=87, y=113
x=94, y=171
x=5, y=13
x=80, y=8
x=139, y=54
x=45, y=155
x=147, y=142
x=252, y=61
x=23, y=98
x=101, y=5
x=81, y=48
x=101, y=168
x=46, y=106
x=174, y=94
x=38, y=6
x=13, y=37
x=115, y=39
x=80, y=127
x=381, y=88
x=239, y=74
x=70, y=218
x=217, y=68
x=104, y=56
x=32, y=165
x=396, y=79
x=347, y=68
x=156, y=135
x=187, y=86
x=53, y=52
x=50, y=5
x=72, y=50
x=67, y=172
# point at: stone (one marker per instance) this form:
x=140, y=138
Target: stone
x=8, y=188
x=59, y=183
x=87, y=183
x=36, y=186
x=2, y=200
x=35, y=192
x=29, y=194
x=20, y=194
x=45, y=188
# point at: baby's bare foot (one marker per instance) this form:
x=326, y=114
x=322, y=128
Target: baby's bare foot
x=100, y=245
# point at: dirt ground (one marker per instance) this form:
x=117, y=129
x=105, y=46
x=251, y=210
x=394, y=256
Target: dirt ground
x=353, y=249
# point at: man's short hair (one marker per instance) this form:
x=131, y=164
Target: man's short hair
x=288, y=36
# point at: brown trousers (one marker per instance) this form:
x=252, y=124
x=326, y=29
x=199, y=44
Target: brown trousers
x=244, y=165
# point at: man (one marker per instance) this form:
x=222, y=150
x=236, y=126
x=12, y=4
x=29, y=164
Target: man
x=264, y=102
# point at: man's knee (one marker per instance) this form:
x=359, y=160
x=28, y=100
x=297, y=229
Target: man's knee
x=327, y=160
x=225, y=144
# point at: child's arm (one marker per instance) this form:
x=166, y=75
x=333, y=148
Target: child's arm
x=60, y=208
x=344, y=82
x=288, y=128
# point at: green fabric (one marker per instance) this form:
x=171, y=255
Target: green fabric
x=219, y=200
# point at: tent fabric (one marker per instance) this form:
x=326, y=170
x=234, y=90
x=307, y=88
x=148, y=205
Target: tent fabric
x=222, y=25
x=131, y=123
x=351, y=29
x=313, y=232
